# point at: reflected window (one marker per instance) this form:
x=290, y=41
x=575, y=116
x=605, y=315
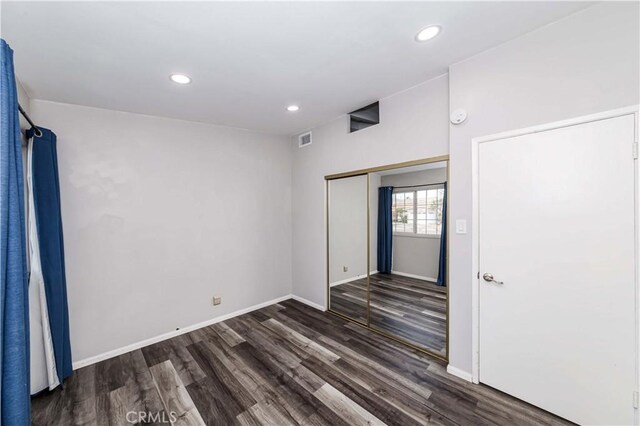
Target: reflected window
x=418, y=212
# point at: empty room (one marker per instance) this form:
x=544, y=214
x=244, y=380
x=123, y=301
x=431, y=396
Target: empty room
x=319, y=213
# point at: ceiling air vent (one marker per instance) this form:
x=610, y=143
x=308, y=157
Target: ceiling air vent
x=304, y=139
x=365, y=117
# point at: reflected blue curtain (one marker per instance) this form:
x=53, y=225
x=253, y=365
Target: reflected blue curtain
x=46, y=198
x=385, y=229
x=14, y=303
x=442, y=262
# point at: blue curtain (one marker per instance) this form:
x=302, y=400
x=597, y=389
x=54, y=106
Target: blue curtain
x=46, y=197
x=14, y=303
x=385, y=229
x=442, y=262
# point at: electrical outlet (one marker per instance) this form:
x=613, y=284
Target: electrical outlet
x=345, y=269
x=217, y=300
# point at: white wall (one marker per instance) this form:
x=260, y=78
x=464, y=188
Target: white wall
x=413, y=125
x=160, y=215
x=429, y=176
x=23, y=100
x=416, y=255
x=347, y=228
x=583, y=64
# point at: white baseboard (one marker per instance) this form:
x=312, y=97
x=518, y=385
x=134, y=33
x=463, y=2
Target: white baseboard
x=169, y=335
x=347, y=280
x=459, y=373
x=308, y=302
x=418, y=277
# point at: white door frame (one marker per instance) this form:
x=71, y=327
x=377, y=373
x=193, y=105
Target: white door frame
x=475, y=241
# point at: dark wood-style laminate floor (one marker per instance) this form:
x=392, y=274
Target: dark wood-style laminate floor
x=412, y=309
x=285, y=364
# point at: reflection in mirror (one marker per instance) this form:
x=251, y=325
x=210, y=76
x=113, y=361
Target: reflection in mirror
x=347, y=222
x=408, y=289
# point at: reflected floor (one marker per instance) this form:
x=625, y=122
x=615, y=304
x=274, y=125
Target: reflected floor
x=412, y=309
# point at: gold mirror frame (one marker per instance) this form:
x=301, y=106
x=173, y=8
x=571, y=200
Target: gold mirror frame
x=368, y=326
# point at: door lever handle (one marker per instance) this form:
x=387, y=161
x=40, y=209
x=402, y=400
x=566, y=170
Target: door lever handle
x=489, y=278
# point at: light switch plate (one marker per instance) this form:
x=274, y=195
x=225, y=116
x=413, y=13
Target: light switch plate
x=461, y=226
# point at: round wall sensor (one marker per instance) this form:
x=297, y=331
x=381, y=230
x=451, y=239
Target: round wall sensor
x=458, y=116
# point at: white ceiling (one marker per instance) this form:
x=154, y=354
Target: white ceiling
x=249, y=61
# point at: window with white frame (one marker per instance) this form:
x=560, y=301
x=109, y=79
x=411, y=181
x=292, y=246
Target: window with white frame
x=418, y=212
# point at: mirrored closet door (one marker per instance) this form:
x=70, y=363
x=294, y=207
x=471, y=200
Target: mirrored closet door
x=347, y=247
x=402, y=293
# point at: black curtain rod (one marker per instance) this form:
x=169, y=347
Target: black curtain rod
x=36, y=131
x=424, y=184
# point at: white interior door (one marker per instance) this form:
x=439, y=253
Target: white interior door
x=556, y=226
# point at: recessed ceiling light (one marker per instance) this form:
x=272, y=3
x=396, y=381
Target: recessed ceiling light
x=180, y=78
x=428, y=33
x=293, y=108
